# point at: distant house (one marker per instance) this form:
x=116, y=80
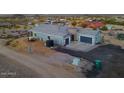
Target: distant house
x=63, y=35
x=95, y=24
x=5, y=24
x=57, y=33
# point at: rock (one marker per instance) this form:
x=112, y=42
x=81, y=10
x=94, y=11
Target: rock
x=86, y=65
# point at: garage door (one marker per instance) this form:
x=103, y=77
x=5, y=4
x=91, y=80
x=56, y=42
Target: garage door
x=85, y=39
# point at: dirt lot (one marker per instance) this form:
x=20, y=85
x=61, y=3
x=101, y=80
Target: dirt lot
x=48, y=66
x=112, y=58
x=112, y=39
x=22, y=45
x=12, y=69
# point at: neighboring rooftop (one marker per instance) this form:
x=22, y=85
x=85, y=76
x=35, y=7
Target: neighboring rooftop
x=51, y=29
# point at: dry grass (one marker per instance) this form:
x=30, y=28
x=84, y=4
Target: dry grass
x=112, y=40
x=38, y=47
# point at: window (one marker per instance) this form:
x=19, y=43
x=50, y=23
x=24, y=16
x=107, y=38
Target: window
x=35, y=34
x=31, y=33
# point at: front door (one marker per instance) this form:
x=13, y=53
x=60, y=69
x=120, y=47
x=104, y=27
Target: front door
x=72, y=37
x=67, y=41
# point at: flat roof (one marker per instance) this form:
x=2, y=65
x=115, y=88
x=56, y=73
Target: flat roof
x=51, y=29
x=60, y=30
x=88, y=31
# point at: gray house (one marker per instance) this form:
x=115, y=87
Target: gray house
x=59, y=34
x=63, y=35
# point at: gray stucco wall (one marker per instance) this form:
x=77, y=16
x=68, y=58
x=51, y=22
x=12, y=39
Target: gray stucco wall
x=58, y=40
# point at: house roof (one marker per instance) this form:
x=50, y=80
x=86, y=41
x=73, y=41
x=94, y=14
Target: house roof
x=89, y=31
x=61, y=30
x=94, y=24
x=51, y=29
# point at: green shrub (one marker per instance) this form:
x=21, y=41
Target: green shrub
x=120, y=36
x=104, y=28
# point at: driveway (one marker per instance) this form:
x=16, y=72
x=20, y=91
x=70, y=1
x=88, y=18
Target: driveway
x=85, y=47
x=112, y=58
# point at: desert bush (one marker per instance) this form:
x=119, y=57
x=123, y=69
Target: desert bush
x=14, y=43
x=9, y=42
x=120, y=36
x=104, y=28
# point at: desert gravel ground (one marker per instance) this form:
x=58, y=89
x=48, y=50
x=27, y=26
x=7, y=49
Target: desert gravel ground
x=45, y=67
x=112, y=58
x=12, y=69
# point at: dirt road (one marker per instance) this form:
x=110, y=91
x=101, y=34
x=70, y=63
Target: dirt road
x=12, y=69
x=39, y=64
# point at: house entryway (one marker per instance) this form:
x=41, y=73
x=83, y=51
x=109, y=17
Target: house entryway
x=72, y=37
x=67, y=41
